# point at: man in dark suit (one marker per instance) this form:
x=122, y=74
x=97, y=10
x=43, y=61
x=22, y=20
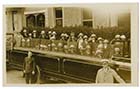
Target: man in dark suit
x=29, y=68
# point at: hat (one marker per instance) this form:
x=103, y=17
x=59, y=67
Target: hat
x=71, y=46
x=52, y=38
x=49, y=32
x=123, y=37
x=53, y=44
x=34, y=31
x=53, y=33
x=117, y=36
x=105, y=60
x=117, y=49
x=65, y=47
x=24, y=30
x=30, y=34
x=85, y=37
x=106, y=41
x=100, y=38
x=80, y=34
x=42, y=32
x=93, y=35
x=66, y=35
x=62, y=35
x=60, y=44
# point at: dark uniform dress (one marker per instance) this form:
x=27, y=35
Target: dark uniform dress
x=107, y=52
x=29, y=67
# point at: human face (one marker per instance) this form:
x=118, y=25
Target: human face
x=105, y=64
x=29, y=54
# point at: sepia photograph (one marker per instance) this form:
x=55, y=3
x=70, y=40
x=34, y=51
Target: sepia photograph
x=66, y=44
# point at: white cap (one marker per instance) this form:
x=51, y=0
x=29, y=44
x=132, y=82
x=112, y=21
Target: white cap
x=53, y=44
x=34, y=31
x=117, y=49
x=85, y=37
x=71, y=46
x=80, y=34
x=100, y=38
x=49, y=32
x=60, y=44
x=24, y=30
x=117, y=36
x=123, y=37
x=93, y=35
x=105, y=60
x=42, y=32
x=53, y=33
x=30, y=34
x=65, y=47
x=62, y=34
x=106, y=41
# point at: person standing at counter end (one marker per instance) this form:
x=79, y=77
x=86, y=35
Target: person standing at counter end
x=29, y=68
x=107, y=74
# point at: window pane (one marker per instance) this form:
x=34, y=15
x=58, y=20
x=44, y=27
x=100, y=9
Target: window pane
x=41, y=20
x=87, y=14
x=30, y=21
x=58, y=12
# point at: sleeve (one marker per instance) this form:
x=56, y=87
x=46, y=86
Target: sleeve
x=34, y=64
x=117, y=77
x=97, y=77
x=24, y=63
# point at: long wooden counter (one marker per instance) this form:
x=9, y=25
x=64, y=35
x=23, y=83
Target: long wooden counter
x=69, y=67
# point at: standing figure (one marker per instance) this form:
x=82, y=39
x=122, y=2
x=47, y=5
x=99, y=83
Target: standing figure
x=54, y=35
x=107, y=50
x=106, y=74
x=49, y=34
x=66, y=49
x=28, y=41
x=80, y=41
x=100, y=47
x=117, y=43
x=72, y=37
x=43, y=34
x=29, y=68
x=53, y=45
x=62, y=37
x=34, y=34
x=18, y=38
x=125, y=49
x=23, y=42
x=25, y=33
x=84, y=44
x=72, y=49
x=60, y=47
x=93, y=44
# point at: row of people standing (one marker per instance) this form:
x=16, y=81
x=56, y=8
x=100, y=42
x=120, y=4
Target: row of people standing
x=80, y=44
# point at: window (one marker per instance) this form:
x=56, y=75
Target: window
x=87, y=17
x=35, y=20
x=41, y=20
x=30, y=20
x=58, y=17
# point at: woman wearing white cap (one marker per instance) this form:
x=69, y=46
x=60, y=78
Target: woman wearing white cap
x=106, y=74
x=80, y=41
x=43, y=34
x=107, y=49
